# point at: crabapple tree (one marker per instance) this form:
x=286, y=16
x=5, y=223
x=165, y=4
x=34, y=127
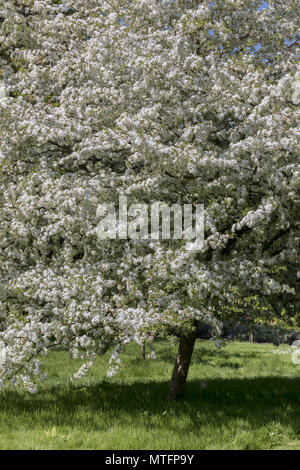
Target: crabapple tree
x=183, y=101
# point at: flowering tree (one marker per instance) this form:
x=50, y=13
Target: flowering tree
x=176, y=101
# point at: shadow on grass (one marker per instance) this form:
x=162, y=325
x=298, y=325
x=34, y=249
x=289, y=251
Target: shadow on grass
x=200, y=355
x=260, y=401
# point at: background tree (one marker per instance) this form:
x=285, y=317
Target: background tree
x=180, y=102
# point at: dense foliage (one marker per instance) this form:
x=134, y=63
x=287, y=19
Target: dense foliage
x=177, y=101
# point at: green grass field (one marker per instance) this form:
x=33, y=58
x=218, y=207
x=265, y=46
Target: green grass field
x=239, y=397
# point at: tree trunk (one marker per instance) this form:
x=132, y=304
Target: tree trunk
x=251, y=335
x=182, y=364
x=143, y=350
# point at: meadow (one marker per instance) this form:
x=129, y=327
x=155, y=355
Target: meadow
x=242, y=396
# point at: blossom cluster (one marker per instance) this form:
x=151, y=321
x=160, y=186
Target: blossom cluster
x=156, y=101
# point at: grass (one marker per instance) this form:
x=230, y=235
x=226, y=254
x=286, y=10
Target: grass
x=242, y=396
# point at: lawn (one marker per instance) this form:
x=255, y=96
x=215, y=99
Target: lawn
x=242, y=396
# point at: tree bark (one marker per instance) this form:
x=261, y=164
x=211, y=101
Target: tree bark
x=182, y=364
x=143, y=350
x=251, y=335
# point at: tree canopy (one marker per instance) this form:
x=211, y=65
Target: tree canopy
x=176, y=101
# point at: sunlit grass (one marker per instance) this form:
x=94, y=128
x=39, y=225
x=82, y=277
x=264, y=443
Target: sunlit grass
x=239, y=397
